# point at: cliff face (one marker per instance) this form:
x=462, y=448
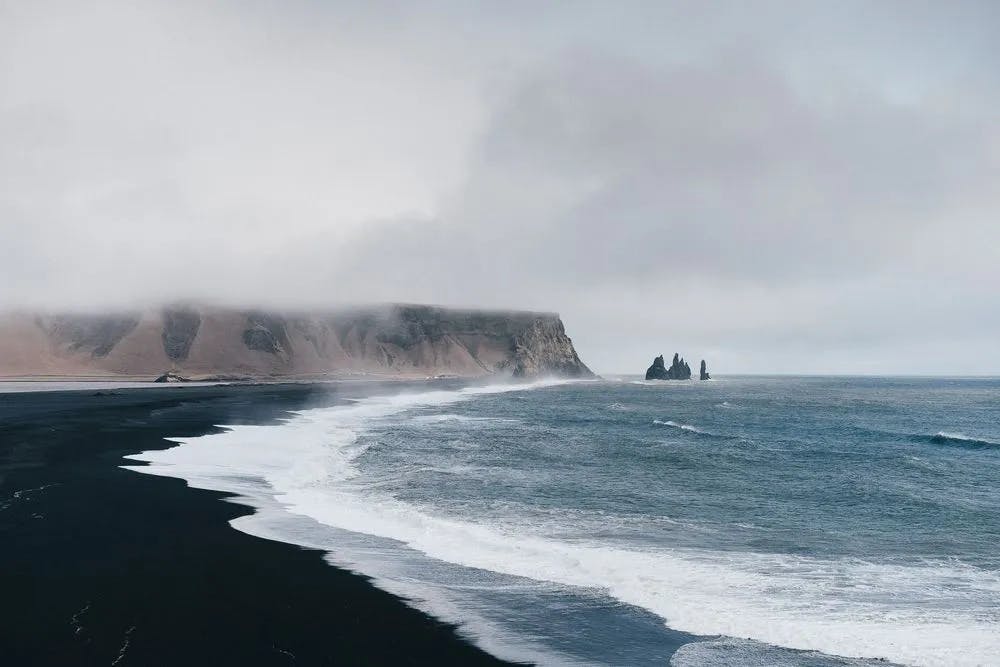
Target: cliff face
x=192, y=341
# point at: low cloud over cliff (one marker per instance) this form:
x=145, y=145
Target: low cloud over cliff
x=777, y=188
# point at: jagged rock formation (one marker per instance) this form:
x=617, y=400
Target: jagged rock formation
x=703, y=374
x=198, y=342
x=170, y=376
x=679, y=369
x=544, y=348
x=658, y=371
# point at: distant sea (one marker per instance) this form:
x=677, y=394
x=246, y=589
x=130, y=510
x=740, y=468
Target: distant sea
x=738, y=521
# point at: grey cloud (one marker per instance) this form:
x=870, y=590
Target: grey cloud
x=602, y=170
x=743, y=181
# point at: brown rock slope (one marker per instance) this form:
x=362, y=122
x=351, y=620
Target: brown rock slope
x=202, y=342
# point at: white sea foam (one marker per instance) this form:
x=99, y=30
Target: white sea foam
x=662, y=383
x=683, y=427
x=961, y=437
x=437, y=419
x=728, y=651
x=954, y=436
x=937, y=613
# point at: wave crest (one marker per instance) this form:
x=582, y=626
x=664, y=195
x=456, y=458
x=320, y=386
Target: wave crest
x=307, y=466
x=683, y=427
x=959, y=440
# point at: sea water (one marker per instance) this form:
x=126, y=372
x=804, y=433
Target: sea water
x=751, y=521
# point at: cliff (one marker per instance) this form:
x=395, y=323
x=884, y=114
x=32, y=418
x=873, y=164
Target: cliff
x=201, y=342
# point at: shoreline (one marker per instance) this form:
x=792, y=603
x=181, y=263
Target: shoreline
x=37, y=383
x=239, y=379
x=104, y=565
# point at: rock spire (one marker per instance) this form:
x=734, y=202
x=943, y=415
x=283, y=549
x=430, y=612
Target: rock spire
x=679, y=369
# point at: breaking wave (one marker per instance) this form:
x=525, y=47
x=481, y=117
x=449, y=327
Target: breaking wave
x=309, y=465
x=728, y=651
x=683, y=427
x=958, y=440
x=438, y=419
x=693, y=429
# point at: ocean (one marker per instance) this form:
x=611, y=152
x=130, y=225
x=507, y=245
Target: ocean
x=738, y=521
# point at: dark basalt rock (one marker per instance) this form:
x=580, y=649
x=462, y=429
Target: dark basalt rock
x=180, y=327
x=703, y=374
x=544, y=348
x=679, y=369
x=96, y=334
x=266, y=333
x=170, y=376
x=658, y=371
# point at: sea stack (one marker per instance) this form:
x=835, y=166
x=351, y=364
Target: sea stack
x=658, y=371
x=679, y=369
x=703, y=374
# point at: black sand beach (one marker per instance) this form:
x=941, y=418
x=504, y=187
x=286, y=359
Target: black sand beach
x=100, y=565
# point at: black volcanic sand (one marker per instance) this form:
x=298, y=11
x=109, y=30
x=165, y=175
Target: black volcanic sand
x=101, y=565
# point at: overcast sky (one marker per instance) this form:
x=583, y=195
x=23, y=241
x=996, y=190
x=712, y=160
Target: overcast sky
x=774, y=186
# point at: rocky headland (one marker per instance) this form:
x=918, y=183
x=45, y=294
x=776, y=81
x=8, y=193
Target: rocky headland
x=193, y=342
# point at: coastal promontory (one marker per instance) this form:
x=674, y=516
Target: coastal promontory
x=209, y=342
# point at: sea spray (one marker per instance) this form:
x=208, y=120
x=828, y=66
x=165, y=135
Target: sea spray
x=780, y=548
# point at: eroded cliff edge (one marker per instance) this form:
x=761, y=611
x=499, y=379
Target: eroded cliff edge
x=201, y=341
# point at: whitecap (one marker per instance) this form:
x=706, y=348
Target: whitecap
x=935, y=613
x=961, y=438
x=683, y=427
x=728, y=651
